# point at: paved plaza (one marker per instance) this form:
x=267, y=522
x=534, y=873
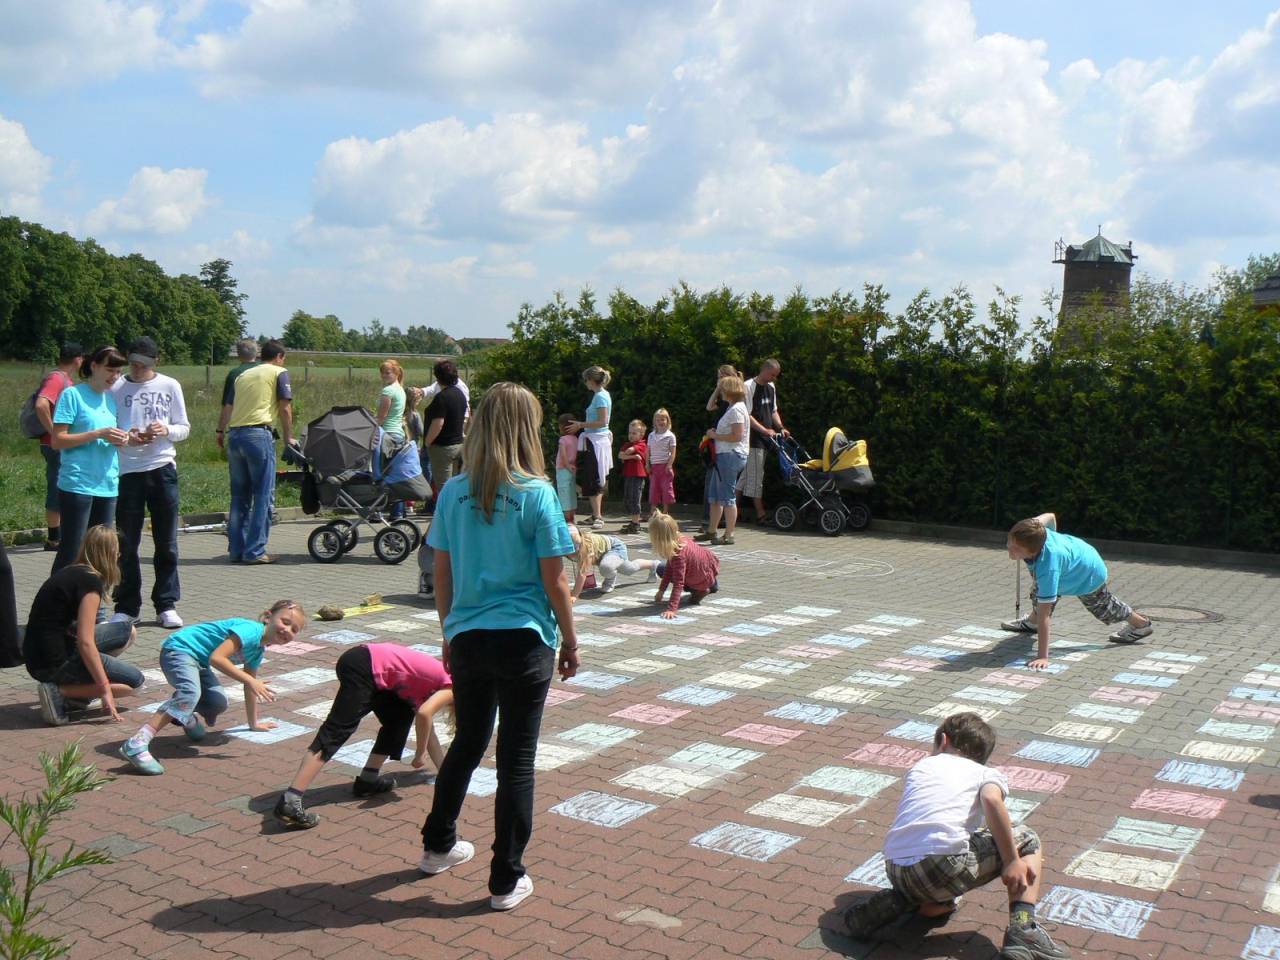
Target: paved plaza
x=714, y=786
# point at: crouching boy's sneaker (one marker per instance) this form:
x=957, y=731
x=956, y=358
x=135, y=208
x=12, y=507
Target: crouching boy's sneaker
x=1025, y=624
x=870, y=914
x=1131, y=634
x=1031, y=943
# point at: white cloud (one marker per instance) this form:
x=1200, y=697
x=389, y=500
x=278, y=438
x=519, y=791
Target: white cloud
x=156, y=201
x=241, y=247
x=61, y=42
x=608, y=236
x=24, y=170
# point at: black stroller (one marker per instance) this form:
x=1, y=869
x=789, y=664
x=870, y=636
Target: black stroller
x=348, y=463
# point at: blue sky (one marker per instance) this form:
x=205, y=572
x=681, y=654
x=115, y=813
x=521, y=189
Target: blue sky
x=423, y=161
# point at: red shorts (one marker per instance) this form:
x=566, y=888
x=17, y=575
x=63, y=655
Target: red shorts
x=662, y=483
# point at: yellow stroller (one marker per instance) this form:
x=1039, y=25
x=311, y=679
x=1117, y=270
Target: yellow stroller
x=830, y=493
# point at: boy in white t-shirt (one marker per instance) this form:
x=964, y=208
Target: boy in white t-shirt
x=937, y=848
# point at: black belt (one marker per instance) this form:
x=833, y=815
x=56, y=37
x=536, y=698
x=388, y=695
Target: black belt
x=253, y=426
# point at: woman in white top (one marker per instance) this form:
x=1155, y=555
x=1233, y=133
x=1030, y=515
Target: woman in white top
x=732, y=440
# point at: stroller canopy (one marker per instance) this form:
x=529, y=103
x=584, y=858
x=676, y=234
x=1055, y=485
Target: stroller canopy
x=342, y=439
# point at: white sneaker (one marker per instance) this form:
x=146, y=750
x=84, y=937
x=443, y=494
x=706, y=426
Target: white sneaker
x=433, y=863
x=597, y=523
x=509, y=901
x=1131, y=634
x=170, y=620
x=123, y=618
x=608, y=585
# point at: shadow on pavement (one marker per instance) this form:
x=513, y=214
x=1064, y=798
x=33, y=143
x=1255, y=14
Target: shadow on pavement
x=1270, y=801
x=314, y=906
x=909, y=938
x=333, y=793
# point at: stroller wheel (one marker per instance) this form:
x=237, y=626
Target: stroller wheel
x=785, y=516
x=831, y=521
x=350, y=534
x=411, y=531
x=325, y=544
x=392, y=545
x=859, y=516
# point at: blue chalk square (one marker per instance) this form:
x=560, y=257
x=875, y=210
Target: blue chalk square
x=751, y=629
x=695, y=695
x=1264, y=944
x=740, y=840
x=1256, y=694
x=927, y=652
x=840, y=640
x=594, y=680
x=1144, y=680
x=914, y=730
x=1046, y=751
x=807, y=713
x=871, y=873
x=1200, y=775
x=602, y=809
x=342, y=636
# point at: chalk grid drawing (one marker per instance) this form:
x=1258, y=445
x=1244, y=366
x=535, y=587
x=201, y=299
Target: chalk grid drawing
x=344, y=637
x=1100, y=711
x=1237, y=731
x=764, y=733
x=850, y=781
x=430, y=649
x=678, y=652
x=651, y=713
x=1153, y=835
x=595, y=680
x=1197, y=806
x=813, y=713
x=1200, y=775
x=602, y=809
x=871, y=873
x=752, y=629
x=1223, y=752
x=1067, y=754
x=1033, y=780
x=696, y=695
x=887, y=755
x=844, y=640
x=738, y=681
x=640, y=665
x=947, y=707
x=894, y=621
x=666, y=781
x=813, y=611
x=914, y=730
x=842, y=694
x=714, y=755
x=802, y=811
x=1102, y=912
x=740, y=840
x=1264, y=944
x=1122, y=868
x=600, y=736
x=284, y=730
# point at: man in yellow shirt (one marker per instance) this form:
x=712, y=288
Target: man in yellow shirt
x=259, y=396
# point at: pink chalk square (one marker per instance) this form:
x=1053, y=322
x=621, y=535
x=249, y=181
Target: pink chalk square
x=1251, y=711
x=295, y=648
x=1033, y=780
x=1017, y=680
x=650, y=713
x=559, y=695
x=764, y=733
x=634, y=629
x=804, y=651
x=909, y=663
x=716, y=640
x=888, y=755
x=1126, y=695
x=1180, y=803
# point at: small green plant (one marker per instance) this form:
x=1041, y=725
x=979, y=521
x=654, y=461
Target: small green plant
x=29, y=821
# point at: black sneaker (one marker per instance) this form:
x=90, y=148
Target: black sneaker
x=292, y=813
x=869, y=915
x=1031, y=943
x=52, y=704
x=51, y=546
x=369, y=788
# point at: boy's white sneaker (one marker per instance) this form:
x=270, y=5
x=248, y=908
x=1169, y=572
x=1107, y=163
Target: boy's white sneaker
x=169, y=619
x=608, y=585
x=1131, y=634
x=509, y=901
x=433, y=863
x=1027, y=624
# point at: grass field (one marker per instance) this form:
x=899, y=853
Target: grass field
x=202, y=469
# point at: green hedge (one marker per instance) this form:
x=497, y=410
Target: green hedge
x=1162, y=424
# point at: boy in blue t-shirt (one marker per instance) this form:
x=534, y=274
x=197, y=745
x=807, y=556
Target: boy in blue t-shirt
x=1065, y=566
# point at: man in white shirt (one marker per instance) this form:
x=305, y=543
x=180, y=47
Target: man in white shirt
x=151, y=407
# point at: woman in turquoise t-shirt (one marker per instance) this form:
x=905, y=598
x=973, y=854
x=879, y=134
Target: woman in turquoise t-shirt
x=501, y=590
x=390, y=415
x=85, y=431
x=597, y=441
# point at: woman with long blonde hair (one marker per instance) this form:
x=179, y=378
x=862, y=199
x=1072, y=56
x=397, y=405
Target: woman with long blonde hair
x=68, y=653
x=501, y=590
x=391, y=401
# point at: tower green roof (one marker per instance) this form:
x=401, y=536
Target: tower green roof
x=1098, y=250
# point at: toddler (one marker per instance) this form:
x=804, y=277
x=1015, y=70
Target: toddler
x=188, y=657
x=607, y=553
x=567, y=467
x=936, y=849
x=684, y=564
x=662, y=462
x=634, y=456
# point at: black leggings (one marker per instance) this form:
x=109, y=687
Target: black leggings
x=357, y=697
x=10, y=640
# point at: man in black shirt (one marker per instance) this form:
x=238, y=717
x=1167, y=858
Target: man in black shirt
x=444, y=421
x=762, y=404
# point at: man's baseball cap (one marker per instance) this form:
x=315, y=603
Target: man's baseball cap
x=144, y=350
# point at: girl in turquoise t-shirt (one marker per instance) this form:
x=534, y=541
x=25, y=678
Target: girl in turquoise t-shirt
x=597, y=441
x=188, y=658
x=499, y=537
x=390, y=415
x=86, y=434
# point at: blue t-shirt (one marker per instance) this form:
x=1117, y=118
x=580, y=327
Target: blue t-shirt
x=497, y=583
x=601, y=401
x=1066, y=566
x=93, y=468
x=201, y=639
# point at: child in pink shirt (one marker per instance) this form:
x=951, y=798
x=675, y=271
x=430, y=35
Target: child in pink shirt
x=685, y=564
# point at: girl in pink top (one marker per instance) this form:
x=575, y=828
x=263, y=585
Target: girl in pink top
x=402, y=687
x=685, y=564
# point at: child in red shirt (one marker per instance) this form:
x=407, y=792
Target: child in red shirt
x=685, y=564
x=635, y=458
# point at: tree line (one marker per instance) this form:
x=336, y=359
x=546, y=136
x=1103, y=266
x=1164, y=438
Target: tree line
x=1159, y=422
x=55, y=288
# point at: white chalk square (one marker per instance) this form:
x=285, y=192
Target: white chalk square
x=155, y=675
x=552, y=756
x=284, y=730
x=602, y=809
x=345, y=637
x=775, y=665
x=1222, y=752
x=947, y=707
x=872, y=629
x=294, y=648
x=1100, y=711
x=752, y=629
x=914, y=730
x=1154, y=835
x=430, y=615
x=807, y=652
x=848, y=780
x=1020, y=808
x=1152, y=665
x=1264, y=944
x=598, y=735
x=1237, y=731
x=677, y=652
x=622, y=600
x=395, y=626
x=354, y=754
x=738, y=602
x=664, y=780
x=871, y=678
x=484, y=782
x=715, y=640
x=871, y=873
x=583, y=606
x=599, y=640
x=962, y=643
x=842, y=640
x=1271, y=898
x=301, y=679
x=640, y=665
x=430, y=649
x=784, y=620
x=740, y=840
x=989, y=632
x=741, y=681
x=714, y=755
x=1119, y=916
x=318, y=710
x=633, y=629
x=895, y=621
x=1263, y=679
x=813, y=611
x=697, y=696
x=805, y=811
x=807, y=713
x=1089, y=732
x=1000, y=695
x=595, y=680
x=837, y=693
x=1122, y=868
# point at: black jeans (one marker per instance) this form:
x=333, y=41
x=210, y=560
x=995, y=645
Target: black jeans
x=80, y=511
x=505, y=673
x=155, y=492
x=358, y=696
